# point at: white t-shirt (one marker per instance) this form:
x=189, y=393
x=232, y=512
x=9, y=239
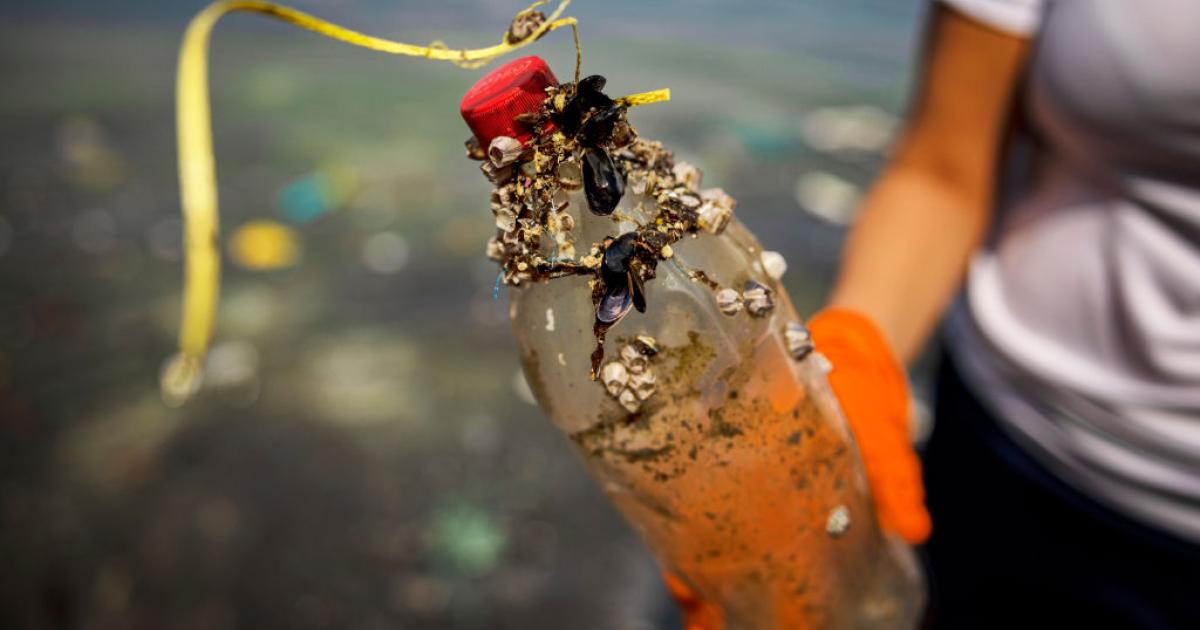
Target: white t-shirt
x=1080, y=322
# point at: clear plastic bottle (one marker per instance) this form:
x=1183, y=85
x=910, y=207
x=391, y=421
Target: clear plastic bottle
x=707, y=419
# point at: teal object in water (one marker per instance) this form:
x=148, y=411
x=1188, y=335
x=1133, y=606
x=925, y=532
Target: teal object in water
x=305, y=199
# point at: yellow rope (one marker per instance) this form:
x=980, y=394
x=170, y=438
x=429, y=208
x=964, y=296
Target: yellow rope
x=645, y=98
x=197, y=176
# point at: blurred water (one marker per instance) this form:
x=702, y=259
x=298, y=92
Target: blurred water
x=360, y=455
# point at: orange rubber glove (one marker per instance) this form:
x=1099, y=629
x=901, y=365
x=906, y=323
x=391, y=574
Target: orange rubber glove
x=870, y=385
x=697, y=613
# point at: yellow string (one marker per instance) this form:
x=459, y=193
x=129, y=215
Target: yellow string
x=645, y=98
x=197, y=176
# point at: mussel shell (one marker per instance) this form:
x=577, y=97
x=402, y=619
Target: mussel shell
x=615, y=304
x=598, y=130
x=592, y=83
x=590, y=92
x=617, y=255
x=570, y=117
x=602, y=182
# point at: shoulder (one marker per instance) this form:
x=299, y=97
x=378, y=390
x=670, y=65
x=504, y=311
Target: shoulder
x=1015, y=17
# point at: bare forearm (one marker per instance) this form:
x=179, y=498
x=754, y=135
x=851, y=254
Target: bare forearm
x=907, y=253
x=928, y=211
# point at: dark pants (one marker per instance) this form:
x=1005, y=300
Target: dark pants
x=1014, y=547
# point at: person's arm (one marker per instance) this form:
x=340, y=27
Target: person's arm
x=928, y=211
x=907, y=253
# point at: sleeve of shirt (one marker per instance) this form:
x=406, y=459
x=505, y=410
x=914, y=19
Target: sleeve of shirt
x=1017, y=17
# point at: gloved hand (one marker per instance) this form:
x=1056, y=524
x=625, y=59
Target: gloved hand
x=870, y=385
x=697, y=613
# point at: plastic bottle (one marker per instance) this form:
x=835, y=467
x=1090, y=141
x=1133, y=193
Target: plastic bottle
x=707, y=418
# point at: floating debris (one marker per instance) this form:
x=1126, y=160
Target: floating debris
x=264, y=245
x=385, y=252
x=799, y=340
x=757, y=298
x=849, y=129
x=838, y=522
x=828, y=196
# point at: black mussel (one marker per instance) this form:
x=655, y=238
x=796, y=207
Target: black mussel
x=588, y=96
x=622, y=284
x=602, y=182
x=570, y=117
x=637, y=290
x=591, y=84
x=598, y=130
x=617, y=301
x=617, y=257
x=590, y=92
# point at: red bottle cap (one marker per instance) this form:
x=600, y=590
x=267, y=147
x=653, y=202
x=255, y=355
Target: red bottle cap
x=517, y=87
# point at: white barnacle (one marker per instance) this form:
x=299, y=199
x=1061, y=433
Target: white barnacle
x=687, y=175
x=506, y=220
x=638, y=182
x=774, y=264
x=822, y=362
x=838, y=522
x=643, y=385
x=494, y=174
x=615, y=377
x=715, y=211
x=757, y=298
x=570, y=175
x=560, y=200
x=690, y=200
x=648, y=344
x=504, y=151
x=729, y=301
x=633, y=358
x=629, y=401
x=799, y=340
x=495, y=249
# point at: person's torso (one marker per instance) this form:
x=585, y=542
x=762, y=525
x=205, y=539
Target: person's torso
x=1084, y=308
